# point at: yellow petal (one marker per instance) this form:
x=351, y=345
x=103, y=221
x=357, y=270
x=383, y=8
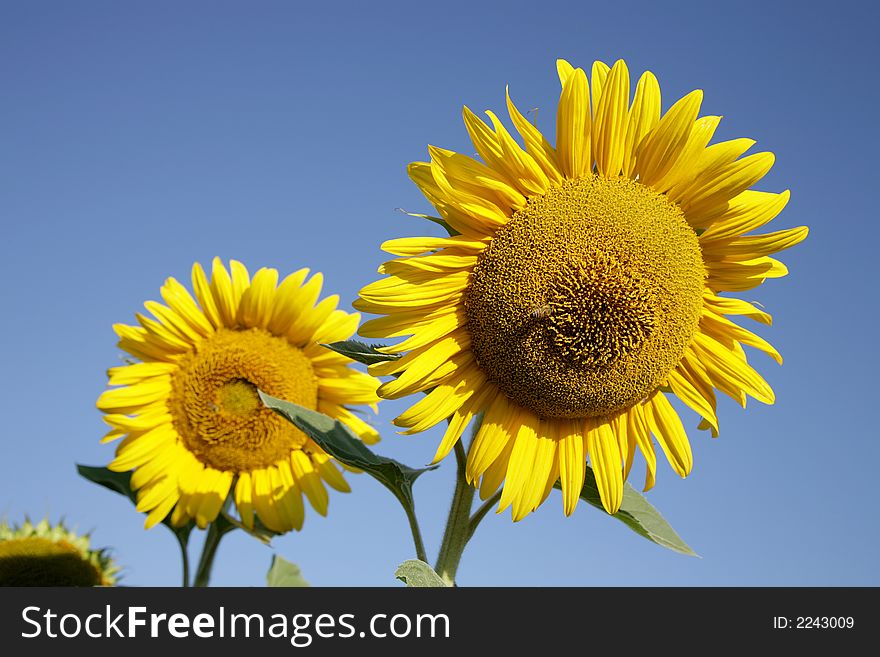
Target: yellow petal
x=625, y=442
x=713, y=191
x=500, y=424
x=738, y=276
x=222, y=290
x=422, y=174
x=729, y=306
x=755, y=246
x=244, y=499
x=722, y=328
x=181, y=302
x=644, y=115
x=291, y=299
x=690, y=395
x=685, y=168
x=439, y=264
x=467, y=174
x=522, y=460
x=696, y=375
x=480, y=212
x=411, y=246
x=528, y=176
x=670, y=434
x=136, y=372
x=161, y=510
x=129, y=398
x=573, y=126
x=330, y=473
x=141, y=344
x=402, y=323
x=544, y=468
x=338, y=326
x=598, y=75
x=257, y=300
x=605, y=458
x=240, y=279
x=349, y=387
x=264, y=503
x=174, y=324
x=572, y=463
x=426, y=334
x=745, y=212
x=304, y=327
x=415, y=288
x=564, y=69
x=661, y=148
x=610, y=122
x=728, y=372
x=309, y=481
x=202, y=290
x=412, y=381
x=495, y=473
x=536, y=144
x=365, y=431
x=441, y=402
x=424, y=358
x=460, y=419
x=637, y=427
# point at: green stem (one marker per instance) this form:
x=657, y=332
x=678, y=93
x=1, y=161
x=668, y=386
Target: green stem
x=416, y=532
x=184, y=557
x=209, y=551
x=457, y=532
x=481, y=513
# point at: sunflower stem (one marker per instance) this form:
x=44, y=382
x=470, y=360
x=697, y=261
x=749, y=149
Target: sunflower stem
x=458, y=531
x=481, y=513
x=216, y=531
x=184, y=558
x=416, y=532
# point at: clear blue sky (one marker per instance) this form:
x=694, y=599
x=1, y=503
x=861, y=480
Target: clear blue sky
x=136, y=138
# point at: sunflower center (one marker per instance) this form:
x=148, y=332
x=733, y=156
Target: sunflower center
x=38, y=561
x=585, y=301
x=238, y=397
x=214, y=403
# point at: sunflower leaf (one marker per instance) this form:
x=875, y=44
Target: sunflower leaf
x=340, y=442
x=284, y=573
x=637, y=513
x=417, y=573
x=437, y=220
x=120, y=482
x=362, y=352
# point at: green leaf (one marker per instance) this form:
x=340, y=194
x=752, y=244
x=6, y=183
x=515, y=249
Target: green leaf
x=120, y=482
x=437, y=220
x=362, y=352
x=284, y=573
x=414, y=572
x=638, y=514
x=340, y=442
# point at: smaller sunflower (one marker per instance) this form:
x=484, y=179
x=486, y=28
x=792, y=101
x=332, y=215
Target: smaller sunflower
x=193, y=423
x=46, y=555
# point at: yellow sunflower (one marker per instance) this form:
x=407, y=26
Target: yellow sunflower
x=584, y=285
x=194, y=426
x=51, y=555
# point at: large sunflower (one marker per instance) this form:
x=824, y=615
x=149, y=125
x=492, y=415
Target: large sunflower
x=584, y=286
x=195, y=426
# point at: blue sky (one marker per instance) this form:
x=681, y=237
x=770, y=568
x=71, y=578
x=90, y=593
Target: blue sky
x=138, y=138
